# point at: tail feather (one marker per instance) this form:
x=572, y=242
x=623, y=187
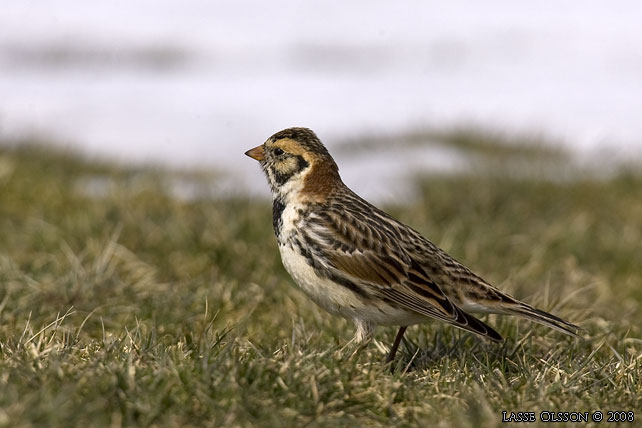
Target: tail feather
x=542, y=317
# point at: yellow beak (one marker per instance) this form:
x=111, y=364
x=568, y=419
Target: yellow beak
x=256, y=153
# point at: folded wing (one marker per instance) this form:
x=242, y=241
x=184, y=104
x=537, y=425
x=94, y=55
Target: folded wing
x=365, y=253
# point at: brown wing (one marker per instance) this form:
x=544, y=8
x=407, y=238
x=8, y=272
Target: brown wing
x=364, y=252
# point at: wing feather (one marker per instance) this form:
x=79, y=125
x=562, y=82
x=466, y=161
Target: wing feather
x=368, y=254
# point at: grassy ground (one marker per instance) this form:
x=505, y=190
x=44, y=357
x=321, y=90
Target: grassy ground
x=121, y=304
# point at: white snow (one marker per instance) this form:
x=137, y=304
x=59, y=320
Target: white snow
x=242, y=70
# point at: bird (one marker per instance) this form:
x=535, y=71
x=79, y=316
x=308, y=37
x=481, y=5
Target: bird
x=356, y=261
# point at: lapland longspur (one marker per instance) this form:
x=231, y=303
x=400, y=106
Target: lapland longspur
x=356, y=261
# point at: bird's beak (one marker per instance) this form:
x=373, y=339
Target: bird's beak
x=256, y=153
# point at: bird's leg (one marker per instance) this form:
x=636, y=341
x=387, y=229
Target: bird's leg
x=362, y=337
x=395, y=346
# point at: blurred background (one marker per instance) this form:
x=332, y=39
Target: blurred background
x=195, y=84
x=141, y=286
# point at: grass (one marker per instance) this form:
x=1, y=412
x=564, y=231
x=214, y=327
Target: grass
x=467, y=140
x=124, y=305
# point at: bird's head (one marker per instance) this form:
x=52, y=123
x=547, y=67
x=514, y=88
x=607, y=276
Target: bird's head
x=297, y=165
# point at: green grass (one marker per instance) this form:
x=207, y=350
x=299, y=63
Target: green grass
x=134, y=307
x=467, y=140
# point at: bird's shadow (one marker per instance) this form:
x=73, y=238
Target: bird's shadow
x=464, y=350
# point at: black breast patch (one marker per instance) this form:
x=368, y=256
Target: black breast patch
x=277, y=210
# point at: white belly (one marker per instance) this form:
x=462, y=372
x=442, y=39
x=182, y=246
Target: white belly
x=340, y=300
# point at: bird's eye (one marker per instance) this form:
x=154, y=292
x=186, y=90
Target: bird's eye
x=278, y=151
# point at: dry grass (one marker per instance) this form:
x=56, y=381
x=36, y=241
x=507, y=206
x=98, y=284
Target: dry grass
x=133, y=307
